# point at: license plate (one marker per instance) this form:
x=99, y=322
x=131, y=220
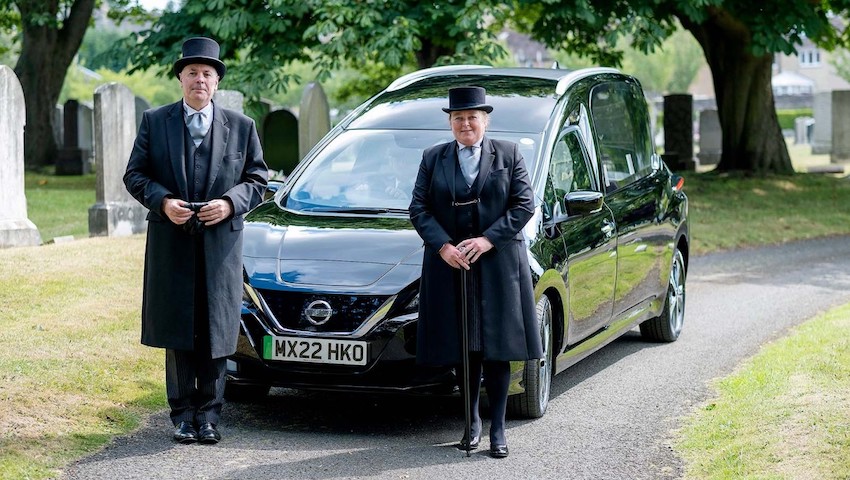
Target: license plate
x=315, y=350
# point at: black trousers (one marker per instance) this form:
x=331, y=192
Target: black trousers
x=497, y=377
x=194, y=381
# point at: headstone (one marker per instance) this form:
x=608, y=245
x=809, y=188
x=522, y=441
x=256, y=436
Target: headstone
x=802, y=130
x=280, y=147
x=840, y=126
x=260, y=110
x=230, y=99
x=822, y=133
x=58, y=125
x=679, y=132
x=116, y=213
x=15, y=228
x=710, y=138
x=141, y=106
x=74, y=157
x=314, y=118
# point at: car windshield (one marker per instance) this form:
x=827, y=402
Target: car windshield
x=373, y=171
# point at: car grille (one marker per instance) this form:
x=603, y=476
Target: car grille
x=349, y=311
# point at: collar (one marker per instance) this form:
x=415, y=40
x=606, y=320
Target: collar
x=206, y=112
x=476, y=144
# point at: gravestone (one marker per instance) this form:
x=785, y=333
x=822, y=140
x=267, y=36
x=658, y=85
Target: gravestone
x=710, y=138
x=74, y=158
x=141, y=106
x=679, y=132
x=116, y=213
x=280, y=147
x=230, y=99
x=314, y=118
x=803, y=130
x=840, y=126
x=58, y=125
x=15, y=228
x=822, y=133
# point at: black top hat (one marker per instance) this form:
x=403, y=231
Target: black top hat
x=200, y=50
x=467, y=98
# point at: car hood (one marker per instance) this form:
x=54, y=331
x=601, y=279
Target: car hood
x=288, y=250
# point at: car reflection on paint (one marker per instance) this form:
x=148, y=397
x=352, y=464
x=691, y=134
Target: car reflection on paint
x=332, y=262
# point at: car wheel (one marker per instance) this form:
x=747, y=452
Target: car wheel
x=537, y=374
x=235, y=392
x=667, y=326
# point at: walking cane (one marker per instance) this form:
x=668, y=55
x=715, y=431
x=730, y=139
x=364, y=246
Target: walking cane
x=464, y=352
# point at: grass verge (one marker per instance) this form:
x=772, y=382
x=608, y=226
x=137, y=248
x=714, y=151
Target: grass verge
x=72, y=371
x=59, y=205
x=784, y=414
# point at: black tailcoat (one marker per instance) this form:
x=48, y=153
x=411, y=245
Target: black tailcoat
x=157, y=169
x=509, y=325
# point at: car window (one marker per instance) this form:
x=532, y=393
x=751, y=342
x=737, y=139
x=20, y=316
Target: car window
x=372, y=169
x=569, y=169
x=620, y=118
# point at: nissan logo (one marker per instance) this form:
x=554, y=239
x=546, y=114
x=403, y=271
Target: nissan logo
x=318, y=312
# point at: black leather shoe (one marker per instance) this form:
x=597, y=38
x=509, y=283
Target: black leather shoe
x=462, y=445
x=208, y=434
x=498, y=451
x=185, y=432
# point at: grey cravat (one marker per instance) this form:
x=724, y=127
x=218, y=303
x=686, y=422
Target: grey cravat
x=468, y=164
x=195, y=124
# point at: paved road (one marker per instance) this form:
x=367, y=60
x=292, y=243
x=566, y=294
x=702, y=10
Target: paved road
x=611, y=416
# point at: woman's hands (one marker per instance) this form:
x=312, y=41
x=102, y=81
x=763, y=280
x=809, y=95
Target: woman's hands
x=466, y=252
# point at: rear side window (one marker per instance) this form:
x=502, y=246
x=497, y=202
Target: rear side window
x=621, y=122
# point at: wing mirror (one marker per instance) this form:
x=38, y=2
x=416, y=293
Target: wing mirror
x=583, y=202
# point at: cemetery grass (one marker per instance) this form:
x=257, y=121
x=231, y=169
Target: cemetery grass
x=783, y=414
x=72, y=371
x=58, y=205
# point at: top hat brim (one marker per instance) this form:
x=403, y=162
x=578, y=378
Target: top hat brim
x=213, y=62
x=482, y=106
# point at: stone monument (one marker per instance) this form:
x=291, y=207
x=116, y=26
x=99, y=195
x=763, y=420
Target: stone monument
x=822, y=133
x=679, y=132
x=280, y=145
x=314, y=118
x=230, y=99
x=116, y=213
x=840, y=152
x=710, y=138
x=15, y=228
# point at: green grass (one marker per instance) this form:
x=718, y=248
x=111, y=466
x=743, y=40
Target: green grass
x=59, y=205
x=785, y=414
x=731, y=211
x=72, y=371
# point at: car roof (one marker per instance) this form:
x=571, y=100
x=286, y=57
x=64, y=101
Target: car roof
x=522, y=98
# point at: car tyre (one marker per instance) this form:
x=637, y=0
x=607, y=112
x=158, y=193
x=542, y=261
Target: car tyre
x=667, y=326
x=235, y=392
x=537, y=373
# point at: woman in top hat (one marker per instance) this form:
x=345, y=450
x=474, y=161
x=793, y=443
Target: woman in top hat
x=471, y=200
x=195, y=151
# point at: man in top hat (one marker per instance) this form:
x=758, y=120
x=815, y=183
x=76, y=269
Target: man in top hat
x=198, y=168
x=471, y=200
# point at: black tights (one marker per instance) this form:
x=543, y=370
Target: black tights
x=497, y=376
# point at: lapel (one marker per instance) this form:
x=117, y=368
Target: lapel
x=220, y=133
x=175, y=135
x=487, y=157
x=448, y=160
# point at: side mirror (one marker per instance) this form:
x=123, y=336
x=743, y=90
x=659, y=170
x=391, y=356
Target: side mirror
x=583, y=202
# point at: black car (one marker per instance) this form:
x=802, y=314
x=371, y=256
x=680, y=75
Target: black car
x=332, y=262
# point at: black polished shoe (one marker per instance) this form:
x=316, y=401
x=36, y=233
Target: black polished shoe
x=184, y=432
x=462, y=445
x=208, y=434
x=498, y=451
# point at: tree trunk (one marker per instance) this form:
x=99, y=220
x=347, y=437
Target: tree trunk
x=46, y=53
x=752, y=138
x=429, y=53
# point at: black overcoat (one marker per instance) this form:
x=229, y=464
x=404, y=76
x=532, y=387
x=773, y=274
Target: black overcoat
x=157, y=169
x=509, y=324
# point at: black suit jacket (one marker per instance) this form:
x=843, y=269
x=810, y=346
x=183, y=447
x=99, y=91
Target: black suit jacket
x=156, y=169
x=509, y=326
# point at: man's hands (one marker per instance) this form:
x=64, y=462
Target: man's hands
x=212, y=213
x=466, y=253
